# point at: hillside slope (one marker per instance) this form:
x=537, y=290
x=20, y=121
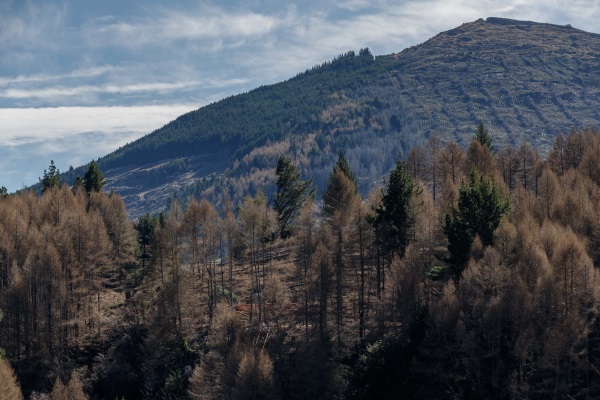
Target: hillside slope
x=523, y=80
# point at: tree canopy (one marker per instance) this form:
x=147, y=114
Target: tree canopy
x=93, y=179
x=51, y=178
x=291, y=194
x=480, y=209
x=222, y=308
x=483, y=136
x=145, y=227
x=341, y=187
x=392, y=221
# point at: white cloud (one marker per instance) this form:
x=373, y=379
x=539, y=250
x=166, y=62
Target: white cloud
x=57, y=92
x=389, y=26
x=27, y=125
x=66, y=89
x=30, y=138
x=30, y=24
x=78, y=73
x=167, y=26
x=354, y=5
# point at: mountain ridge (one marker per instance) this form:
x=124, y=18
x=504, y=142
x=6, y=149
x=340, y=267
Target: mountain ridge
x=526, y=81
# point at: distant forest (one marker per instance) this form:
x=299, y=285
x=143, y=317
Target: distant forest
x=466, y=274
x=231, y=145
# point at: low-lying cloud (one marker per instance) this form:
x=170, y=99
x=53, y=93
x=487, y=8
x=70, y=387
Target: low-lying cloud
x=30, y=138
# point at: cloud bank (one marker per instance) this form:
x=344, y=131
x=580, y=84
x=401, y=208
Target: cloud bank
x=71, y=136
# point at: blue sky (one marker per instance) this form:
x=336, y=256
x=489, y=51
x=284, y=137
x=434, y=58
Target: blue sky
x=80, y=78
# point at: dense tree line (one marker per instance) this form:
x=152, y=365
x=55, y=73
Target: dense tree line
x=234, y=143
x=464, y=274
x=240, y=123
x=58, y=254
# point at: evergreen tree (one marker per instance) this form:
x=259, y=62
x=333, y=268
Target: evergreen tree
x=51, y=178
x=341, y=187
x=482, y=136
x=78, y=184
x=343, y=165
x=480, y=209
x=145, y=226
x=93, y=178
x=291, y=194
x=392, y=221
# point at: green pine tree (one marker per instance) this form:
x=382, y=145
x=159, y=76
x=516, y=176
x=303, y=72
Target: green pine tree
x=341, y=187
x=51, y=178
x=480, y=209
x=392, y=221
x=93, y=178
x=482, y=136
x=145, y=226
x=78, y=184
x=291, y=194
x=343, y=165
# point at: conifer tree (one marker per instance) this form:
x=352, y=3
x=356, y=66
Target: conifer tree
x=482, y=136
x=73, y=390
x=59, y=390
x=78, y=184
x=9, y=387
x=93, y=178
x=341, y=187
x=393, y=221
x=51, y=178
x=145, y=226
x=342, y=163
x=480, y=209
x=291, y=194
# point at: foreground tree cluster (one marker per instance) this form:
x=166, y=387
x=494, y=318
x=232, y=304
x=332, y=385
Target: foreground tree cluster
x=466, y=274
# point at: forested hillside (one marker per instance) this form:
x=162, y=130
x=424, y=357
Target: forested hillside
x=525, y=81
x=465, y=274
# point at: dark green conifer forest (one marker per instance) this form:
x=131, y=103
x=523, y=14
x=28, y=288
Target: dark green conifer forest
x=463, y=274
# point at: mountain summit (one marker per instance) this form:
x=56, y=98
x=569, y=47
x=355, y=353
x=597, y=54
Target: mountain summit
x=524, y=81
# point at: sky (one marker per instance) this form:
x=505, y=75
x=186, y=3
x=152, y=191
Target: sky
x=80, y=78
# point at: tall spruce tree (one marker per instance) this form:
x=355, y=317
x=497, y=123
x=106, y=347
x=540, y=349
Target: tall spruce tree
x=338, y=195
x=482, y=136
x=291, y=195
x=480, y=209
x=94, y=178
x=392, y=221
x=342, y=164
x=51, y=178
x=145, y=226
x=78, y=184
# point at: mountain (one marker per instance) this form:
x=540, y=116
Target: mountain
x=525, y=81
